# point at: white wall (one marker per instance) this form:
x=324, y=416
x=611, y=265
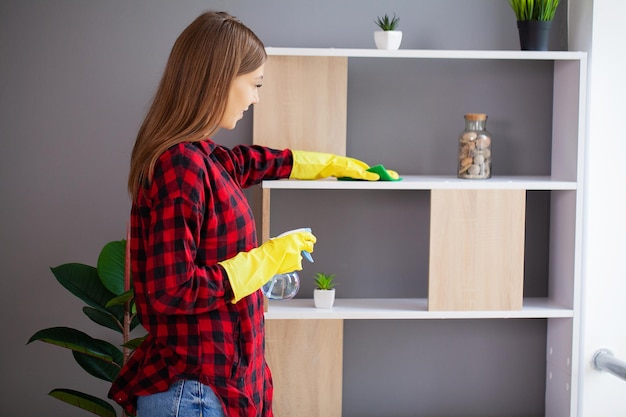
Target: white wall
x=599, y=26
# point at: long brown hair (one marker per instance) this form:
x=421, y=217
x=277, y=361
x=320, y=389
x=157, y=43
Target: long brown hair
x=191, y=98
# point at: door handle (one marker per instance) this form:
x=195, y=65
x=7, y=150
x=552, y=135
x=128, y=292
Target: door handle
x=604, y=360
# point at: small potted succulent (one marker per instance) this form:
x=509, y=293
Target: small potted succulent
x=534, y=19
x=387, y=37
x=324, y=293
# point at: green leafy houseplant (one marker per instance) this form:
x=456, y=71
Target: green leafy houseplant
x=106, y=289
x=387, y=23
x=324, y=281
x=534, y=9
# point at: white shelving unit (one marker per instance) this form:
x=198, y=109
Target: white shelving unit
x=419, y=182
x=406, y=309
x=430, y=54
x=561, y=308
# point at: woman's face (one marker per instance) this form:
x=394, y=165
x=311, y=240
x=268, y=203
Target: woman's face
x=244, y=91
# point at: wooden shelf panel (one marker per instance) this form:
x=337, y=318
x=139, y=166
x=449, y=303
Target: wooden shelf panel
x=429, y=53
x=404, y=308
x=421, y=182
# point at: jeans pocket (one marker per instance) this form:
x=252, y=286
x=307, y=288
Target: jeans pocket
x=161, y=404
x=183, y=398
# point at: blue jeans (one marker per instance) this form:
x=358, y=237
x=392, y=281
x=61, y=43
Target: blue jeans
x=185, y=398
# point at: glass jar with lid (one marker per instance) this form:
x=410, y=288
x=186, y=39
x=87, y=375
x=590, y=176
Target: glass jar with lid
x=475, y=148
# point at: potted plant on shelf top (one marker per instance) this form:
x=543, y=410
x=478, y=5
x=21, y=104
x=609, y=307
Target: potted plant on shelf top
x=324, y=293
x=388, y=37
x=534, y=19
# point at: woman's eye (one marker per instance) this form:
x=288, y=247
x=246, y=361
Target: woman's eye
x=259, y=85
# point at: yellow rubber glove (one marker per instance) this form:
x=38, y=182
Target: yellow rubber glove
x=249, y=271
x=314, y=165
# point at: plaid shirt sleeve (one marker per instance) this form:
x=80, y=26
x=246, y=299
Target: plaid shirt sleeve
x=253, y=164
x=194, y=215
x=185, y=188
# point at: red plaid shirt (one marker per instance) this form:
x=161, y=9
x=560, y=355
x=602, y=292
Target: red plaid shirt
x=194, y=215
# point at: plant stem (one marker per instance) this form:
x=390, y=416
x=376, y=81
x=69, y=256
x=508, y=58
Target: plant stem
x=127, y=305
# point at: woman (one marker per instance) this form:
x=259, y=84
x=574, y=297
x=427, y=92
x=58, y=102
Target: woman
x=196, y=266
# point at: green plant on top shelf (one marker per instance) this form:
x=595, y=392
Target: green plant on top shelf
x=534, y=9
x=387, y=23
x=324, y=281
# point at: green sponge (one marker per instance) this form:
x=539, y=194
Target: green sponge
x=376, y=169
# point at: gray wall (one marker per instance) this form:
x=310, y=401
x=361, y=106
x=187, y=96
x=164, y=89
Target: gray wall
x=76, y=77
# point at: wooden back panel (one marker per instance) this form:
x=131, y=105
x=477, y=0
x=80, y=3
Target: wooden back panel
x=303, y=104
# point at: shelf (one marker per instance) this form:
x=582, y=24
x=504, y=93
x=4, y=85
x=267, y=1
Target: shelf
x=418, y=182
x=307, y=97
x=404, y=308
x=429, y=53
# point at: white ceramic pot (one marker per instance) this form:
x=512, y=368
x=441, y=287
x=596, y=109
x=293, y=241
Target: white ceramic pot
x=388, y=39
x=324, y=298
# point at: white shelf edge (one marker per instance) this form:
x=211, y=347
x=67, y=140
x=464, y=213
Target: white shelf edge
x=429, y=53
x=404, y=308
x=419, y=182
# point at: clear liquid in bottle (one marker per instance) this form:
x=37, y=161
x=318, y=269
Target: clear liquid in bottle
x=282, y=286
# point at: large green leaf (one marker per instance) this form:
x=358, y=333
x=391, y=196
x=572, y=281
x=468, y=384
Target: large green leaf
x=121, y=299
x=111, y=266
x=104, y=370
x=83, y=281
x=85, y=401
x=134, y=343
x=75, y=340
x=105, y=319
